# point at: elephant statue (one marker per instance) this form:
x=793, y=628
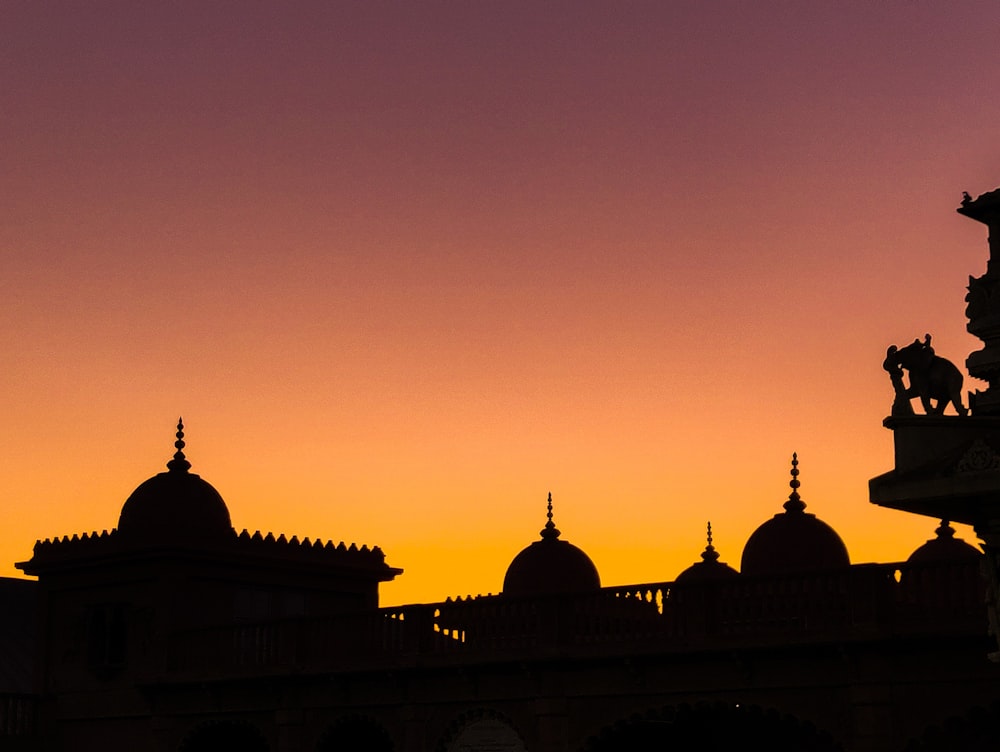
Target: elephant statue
x=931, y=378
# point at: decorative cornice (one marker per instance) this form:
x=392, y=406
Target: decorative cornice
x=79, y=548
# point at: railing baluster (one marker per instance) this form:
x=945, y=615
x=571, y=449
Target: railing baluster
x=895, y=598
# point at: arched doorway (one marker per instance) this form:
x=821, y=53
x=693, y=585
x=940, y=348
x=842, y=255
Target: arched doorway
x=482, y=730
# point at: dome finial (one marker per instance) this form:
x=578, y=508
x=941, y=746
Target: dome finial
x=179, y=463
x=550, y=530
x=794, y=503
x=710, y=554
x=945, y=530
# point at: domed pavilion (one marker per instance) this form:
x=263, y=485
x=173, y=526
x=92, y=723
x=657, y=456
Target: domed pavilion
x=709, y=569
x=944, y=547
x=550, y=565
x=793, y=541
x=175, y=505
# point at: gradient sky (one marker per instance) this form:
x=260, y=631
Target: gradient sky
x=404, y=268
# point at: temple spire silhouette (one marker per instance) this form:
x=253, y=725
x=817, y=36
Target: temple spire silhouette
x=179, y=464
x=794, y=503
x=710, y=554
x=550, y=530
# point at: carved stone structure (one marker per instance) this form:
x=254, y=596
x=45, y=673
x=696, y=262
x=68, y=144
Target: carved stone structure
x=948, y=467
x=931, y=378
x=983, y=309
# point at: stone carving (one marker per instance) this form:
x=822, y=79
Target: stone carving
x=977, y=458
x=931, y=378
x=983, y=306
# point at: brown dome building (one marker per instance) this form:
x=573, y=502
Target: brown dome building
x=793, y=541
x=944, y=547
x=550, y=565
x=175, y=506
x=709, y=569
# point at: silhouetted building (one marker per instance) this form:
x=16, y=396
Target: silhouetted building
x=794, y=541
x=550, y=565
x=709, y=569
x=174, y=632
x=948, y=466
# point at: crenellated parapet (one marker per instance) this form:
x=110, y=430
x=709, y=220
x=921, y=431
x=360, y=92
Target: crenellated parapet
x=78, y=538
x=87, y=546
x=72, y=548
x=306, y=550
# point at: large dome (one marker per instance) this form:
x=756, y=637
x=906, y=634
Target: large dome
x=793, y=541
x=175, y=506
x=709, y=569
x=550, y=566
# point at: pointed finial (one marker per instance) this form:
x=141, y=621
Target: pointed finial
x=945, y=530
x=794, y=503
x=710, y=554
x=179, y=463
x=550, y=530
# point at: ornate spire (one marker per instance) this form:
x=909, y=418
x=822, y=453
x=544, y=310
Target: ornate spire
x=710, y=555
x=550, y=530
x=179, y=463
x=945, y=530
x=794, y=503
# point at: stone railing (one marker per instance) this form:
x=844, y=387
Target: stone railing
x=18, y=716
x=862, y=602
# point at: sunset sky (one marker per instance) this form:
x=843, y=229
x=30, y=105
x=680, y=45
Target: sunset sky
x=404, y=268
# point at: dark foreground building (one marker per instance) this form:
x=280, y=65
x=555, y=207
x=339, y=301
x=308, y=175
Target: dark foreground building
x=174, y=632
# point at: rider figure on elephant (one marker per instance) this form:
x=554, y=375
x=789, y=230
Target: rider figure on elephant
x=931, y=378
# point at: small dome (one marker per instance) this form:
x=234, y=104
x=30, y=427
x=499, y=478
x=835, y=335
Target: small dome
x=794, y=541
x=175, y=506
x=550, y=565
x=944, y=548
x=709, y=569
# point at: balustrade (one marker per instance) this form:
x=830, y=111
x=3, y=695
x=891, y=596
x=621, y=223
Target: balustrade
x=864, y=599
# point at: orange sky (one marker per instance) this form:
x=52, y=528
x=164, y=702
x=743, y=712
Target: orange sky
x=405, y=270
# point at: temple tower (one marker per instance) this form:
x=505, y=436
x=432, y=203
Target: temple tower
x=948, y=466
x=983, y=309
